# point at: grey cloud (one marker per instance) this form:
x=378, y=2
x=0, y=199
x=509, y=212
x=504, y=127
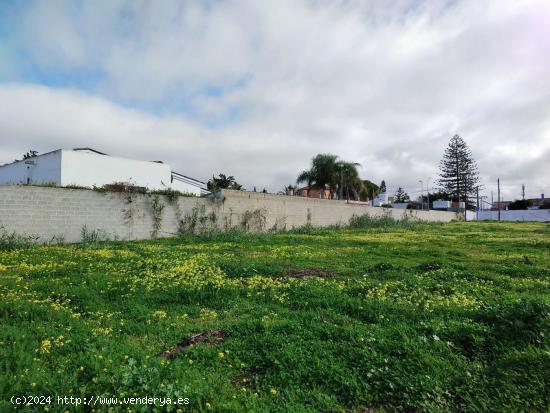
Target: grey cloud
x=382, y=83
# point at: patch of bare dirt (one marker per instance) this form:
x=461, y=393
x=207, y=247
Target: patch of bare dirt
x=209, y=338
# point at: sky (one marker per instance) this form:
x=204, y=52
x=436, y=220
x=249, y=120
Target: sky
x=255, y=88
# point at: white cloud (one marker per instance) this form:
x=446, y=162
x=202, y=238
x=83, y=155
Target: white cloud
x=381, y=83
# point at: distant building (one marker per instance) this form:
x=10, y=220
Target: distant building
x=88, y=167
x=502, y=204
x=441, y=204
x=538, y=202
x=444, y=205
x=382, y=199
x=312, y=192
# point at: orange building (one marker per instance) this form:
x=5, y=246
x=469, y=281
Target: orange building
x=311, y=192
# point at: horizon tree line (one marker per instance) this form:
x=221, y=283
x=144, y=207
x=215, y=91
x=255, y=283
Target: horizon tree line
x=458, y=177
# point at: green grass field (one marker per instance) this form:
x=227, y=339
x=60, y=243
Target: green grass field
x=451, y=317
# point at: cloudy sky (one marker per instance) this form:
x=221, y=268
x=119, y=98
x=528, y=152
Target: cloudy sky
x=256, y=88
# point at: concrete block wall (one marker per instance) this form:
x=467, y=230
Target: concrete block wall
x=297, y=211
x=53, y=212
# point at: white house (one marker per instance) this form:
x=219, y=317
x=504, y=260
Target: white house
x=88, y=167
x=382, y=199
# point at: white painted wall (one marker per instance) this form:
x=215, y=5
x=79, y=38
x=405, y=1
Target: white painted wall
x=67, y=167
x=41, y=169
x=541, y=215
x=89, y=169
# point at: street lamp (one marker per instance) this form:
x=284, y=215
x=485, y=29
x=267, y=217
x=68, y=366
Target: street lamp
x=421, y=195
x=428, y=192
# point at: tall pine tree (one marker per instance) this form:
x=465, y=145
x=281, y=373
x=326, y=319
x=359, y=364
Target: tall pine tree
x=458, y=173
x=401, y=196
x=382, y=187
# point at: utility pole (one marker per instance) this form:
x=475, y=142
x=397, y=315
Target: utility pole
x=523, y=191
x=477, y=202
x=492, y=202
x=428, y=193
x=465, y=206
x=498, y=197
x=421, y=195
x=341, y=182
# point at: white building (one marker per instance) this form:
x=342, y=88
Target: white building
x=441, y=204
x=87, y=167
x=382, y=199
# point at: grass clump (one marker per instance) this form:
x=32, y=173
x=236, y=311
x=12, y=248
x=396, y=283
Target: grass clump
x=171, y=194
x=10, y=241
x=387, y=222
x=91, y=235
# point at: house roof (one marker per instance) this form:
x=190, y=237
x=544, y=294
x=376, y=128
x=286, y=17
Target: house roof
x=327, y=188
x=90, y=150
x=187, y=179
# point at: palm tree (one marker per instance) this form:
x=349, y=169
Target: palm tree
x=323, y=172
x=370, y=190
x=349, y=179
x=327, y=169
x=223, y=182
x=352, y=182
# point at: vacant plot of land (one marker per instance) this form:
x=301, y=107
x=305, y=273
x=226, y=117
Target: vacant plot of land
x=451, y=317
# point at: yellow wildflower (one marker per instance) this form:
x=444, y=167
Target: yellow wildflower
x=45, y=346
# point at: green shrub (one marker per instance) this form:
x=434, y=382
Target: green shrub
x=92, y=235
x=385, y=221
x=171, y=194
x=10, y=241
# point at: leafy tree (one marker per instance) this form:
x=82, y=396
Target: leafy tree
x=458, y=176
x=30, y=154
x=440, y=195
x=223, y=182
x=520, y=204
x=382, y=186
x=288, y=190
x=401, y=196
